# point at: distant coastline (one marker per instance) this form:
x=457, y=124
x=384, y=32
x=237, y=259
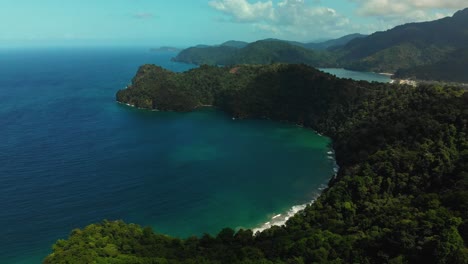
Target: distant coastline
x=165, y=49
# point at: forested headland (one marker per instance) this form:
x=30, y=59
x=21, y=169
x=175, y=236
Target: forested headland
x=401, y=195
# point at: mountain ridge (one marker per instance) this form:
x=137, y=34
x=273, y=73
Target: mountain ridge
x=259, y=52
x=226, y=53
x=408, y=45
x=405, y=49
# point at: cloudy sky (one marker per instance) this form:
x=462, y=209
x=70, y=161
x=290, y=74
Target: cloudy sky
x=187, y=22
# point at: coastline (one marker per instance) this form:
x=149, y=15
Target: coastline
x=386, y=73
x=156, y=110
x=139, y=108
x=281, y=219
x=127, y=104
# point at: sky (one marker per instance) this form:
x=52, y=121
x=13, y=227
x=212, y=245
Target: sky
x=183, y=23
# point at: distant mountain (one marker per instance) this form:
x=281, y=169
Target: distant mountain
x=295, y=43
x=259, y=52
x=333, y=43
x=407, y=46
x=211, y=55
x=427, y=50
x=269, y=50
x=202, y=46
x=265, y=51
x=235, y=44
x=323, y=45
x=163, y=49
x=318, y=45
x=453, y=68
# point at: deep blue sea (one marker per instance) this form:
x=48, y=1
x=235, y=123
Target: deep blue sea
x=71, y=156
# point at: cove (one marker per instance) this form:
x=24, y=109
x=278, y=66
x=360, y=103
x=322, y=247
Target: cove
x=71, y=155
x=209, y=171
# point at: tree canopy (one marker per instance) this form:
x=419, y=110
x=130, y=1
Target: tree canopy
x=401, y=194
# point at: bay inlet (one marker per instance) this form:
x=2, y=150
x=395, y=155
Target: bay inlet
x=71, y=156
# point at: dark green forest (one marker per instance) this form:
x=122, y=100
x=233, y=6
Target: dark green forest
x=400, y=196
x=453, y=68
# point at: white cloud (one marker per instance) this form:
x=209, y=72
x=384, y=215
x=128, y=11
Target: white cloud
x=306, y=20
x=288, y=18
x=405, y=7
x=267, y=28
x=390, y=13
x=243, y=11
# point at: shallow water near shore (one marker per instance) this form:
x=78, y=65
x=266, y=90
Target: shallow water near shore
x=357, y=75
x=71, y=156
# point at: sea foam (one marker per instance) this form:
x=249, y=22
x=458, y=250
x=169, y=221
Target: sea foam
x=281, y=219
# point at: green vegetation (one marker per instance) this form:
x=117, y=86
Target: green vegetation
x=453, y=68
x=333, y=43
x=260, y=52
x=266, y=52
x=206, y=55
x=235, y=44
x=401, y=195
x=411, y=50
x=407, y=46
x=263, y=52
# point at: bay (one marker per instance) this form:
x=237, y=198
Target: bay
x=71, y=156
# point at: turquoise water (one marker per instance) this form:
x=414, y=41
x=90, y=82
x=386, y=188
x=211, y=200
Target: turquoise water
x=70, y=155
x=356, y=75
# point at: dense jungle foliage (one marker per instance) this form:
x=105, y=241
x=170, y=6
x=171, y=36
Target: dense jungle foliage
x=453, y=68
x=401, y=195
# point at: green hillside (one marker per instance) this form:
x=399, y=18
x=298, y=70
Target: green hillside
x=235, y=44
x=430, y=50
x=266, y=52
x=401, y=195
x=452, y=68
x=333, y=43
x=260, y=52
x=408, y=45
x=206, y=55
x=268, y=48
